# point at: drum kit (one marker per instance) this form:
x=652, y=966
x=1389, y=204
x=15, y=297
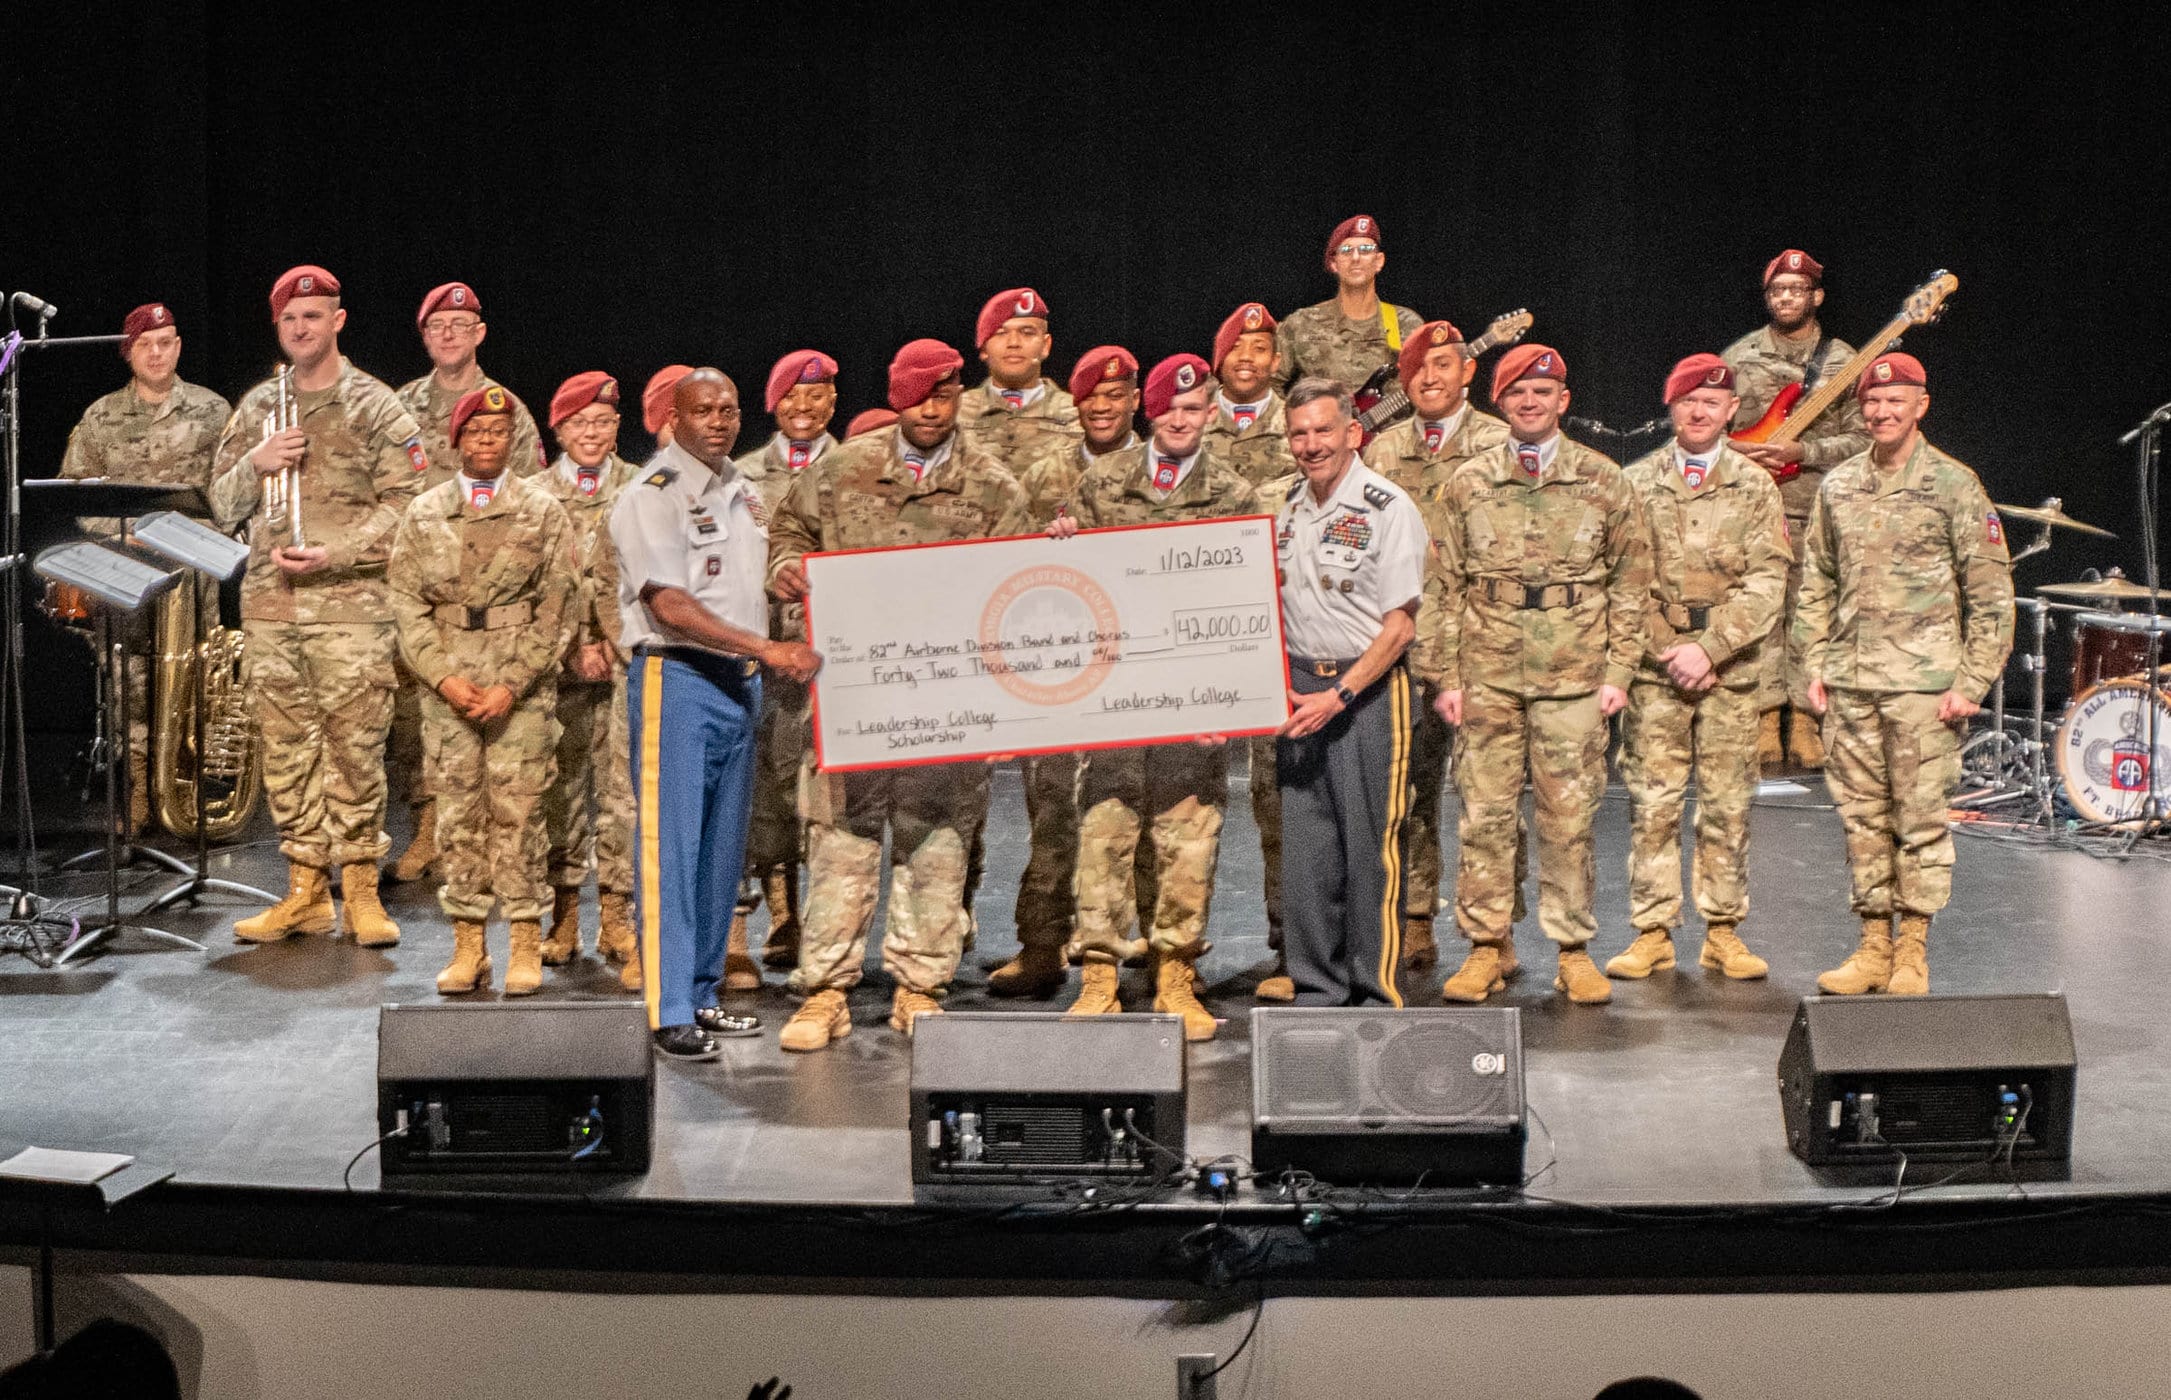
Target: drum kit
x=2110, y=754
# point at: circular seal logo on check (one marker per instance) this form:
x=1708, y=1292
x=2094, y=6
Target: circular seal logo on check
x=1047, y=634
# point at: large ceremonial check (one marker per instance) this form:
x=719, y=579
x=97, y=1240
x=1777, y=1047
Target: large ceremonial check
x=1141, y=634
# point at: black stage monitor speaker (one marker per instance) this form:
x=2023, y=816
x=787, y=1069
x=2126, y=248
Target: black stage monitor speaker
x=1864, y=1079
x=1033, y=1096
x=1377, y=1097
x=564, y=1086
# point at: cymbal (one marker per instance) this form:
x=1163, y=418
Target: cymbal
x=2052, y=512
x=2113, y=585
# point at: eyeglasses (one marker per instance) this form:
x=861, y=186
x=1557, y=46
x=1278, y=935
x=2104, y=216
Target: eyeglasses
x=587, y=423
x=463, y=325
x=480, y=434
x=1356, y=250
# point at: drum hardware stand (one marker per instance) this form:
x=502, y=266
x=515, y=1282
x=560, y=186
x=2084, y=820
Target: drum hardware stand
x=2147, y=439
x=2015, y=766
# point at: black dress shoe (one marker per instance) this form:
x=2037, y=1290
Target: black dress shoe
x=717, y=1021
x=686, y=1043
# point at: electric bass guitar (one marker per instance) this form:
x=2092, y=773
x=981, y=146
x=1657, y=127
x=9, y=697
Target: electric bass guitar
x=1791, y=413
x=1383, y=402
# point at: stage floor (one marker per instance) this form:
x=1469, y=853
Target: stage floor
x=254, y=1067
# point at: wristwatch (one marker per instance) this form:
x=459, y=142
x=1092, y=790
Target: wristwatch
x=1344, y=694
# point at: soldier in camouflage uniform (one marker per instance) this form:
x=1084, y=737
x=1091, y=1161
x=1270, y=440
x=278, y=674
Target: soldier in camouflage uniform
x=315, y=620
x=1534, y=634
x=1792, y=349
x=1250, y=432
x=1906, y=618
x=1419, y=454
x=1355, y=334
x=1016, y=417
x=801, y=396
x=450, y=322
x=1174, y=793
x=924, y=483
x=1719, y=566
x=481, y=575
x=1104, y=386
x=158, y=429
x=588, y=814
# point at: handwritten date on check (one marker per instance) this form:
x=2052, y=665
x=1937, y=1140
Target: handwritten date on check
x=1147, y=634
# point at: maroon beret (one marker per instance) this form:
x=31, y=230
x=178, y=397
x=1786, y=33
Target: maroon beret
x=1528, y=361
x=150, y=316
x=1099, y=365
x=1794, y=260
x=1705, y=371
x=452, y=296
x=870, y=421
x=1018, y=301
x=486, y=400
x=1251, y=316
x=308, y=280
x=918, y=368
x=1429, y=337
x=656, y=398
x=1895, y=368
x=1363, y=226
x=1178, y=374
x=591, y=386
x=799, y=367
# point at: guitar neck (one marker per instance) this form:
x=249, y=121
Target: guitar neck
x=1829, y=391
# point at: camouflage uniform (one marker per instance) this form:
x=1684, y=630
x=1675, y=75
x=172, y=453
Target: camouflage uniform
x=432, y=408
x=1572, y=546
x=124, y=439
x=1320, y=340
x=1719, y=564
x=1178, y=792
x=861, y=496
x=1017, y=438
x=1907, y=593
x=320, y=646
x=775, y=842
x=1400, y=455
x=1763, y=364
x=592, y=742
x=482, y=593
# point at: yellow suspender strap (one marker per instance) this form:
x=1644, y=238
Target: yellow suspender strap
x=1394, y=326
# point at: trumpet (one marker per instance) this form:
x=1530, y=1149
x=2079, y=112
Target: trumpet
x=283, y=489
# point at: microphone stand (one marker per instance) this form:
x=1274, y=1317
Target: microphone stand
x=2147, y=438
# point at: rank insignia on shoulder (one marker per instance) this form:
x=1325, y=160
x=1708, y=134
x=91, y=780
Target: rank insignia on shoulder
x=416, y=457
x=1378, y=497
x=661, y=476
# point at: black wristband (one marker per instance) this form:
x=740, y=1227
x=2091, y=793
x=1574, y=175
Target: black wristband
x=1347, y=696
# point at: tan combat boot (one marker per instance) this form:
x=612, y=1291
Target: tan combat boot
x=1580, y=978
x=1870, y=966
x=524, y=964
x=1482, y=973
x=470, y=965
x=1911, y=958
x=1419, y=949
x=1098, y=996
x=780, y=891
x=1176, y=981
x=615, y=941
x=741, y=972
x=1278, y=985
x=1805, y=747
x=1034, y=972
x=414, y=863
x=1770, y=753
x=307, y=908
x=1651, y=952
x=823, y=1020
x=908, y=1006
x=1724, y=950
x=563, y=945
x=367, y=923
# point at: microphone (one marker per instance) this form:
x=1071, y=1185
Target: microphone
x=36, y=306
x=2159, y=416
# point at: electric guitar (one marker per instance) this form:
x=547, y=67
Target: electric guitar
x=1791, y=414
x=1383, y=402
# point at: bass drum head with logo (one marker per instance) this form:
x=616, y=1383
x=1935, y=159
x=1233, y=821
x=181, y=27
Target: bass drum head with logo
x=2104, y=763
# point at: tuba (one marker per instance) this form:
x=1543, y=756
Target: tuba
x=218, y=782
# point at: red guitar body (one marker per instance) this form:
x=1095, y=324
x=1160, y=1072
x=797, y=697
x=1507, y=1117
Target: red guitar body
x=1763, y=428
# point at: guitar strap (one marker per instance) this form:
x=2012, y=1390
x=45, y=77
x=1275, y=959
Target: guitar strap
x=1814, y=370
x=1393, y=323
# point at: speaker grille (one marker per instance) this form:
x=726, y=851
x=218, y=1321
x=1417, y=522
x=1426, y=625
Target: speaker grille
x=1425, y=1071
x=1312, y=1073
x=1395, y=1071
